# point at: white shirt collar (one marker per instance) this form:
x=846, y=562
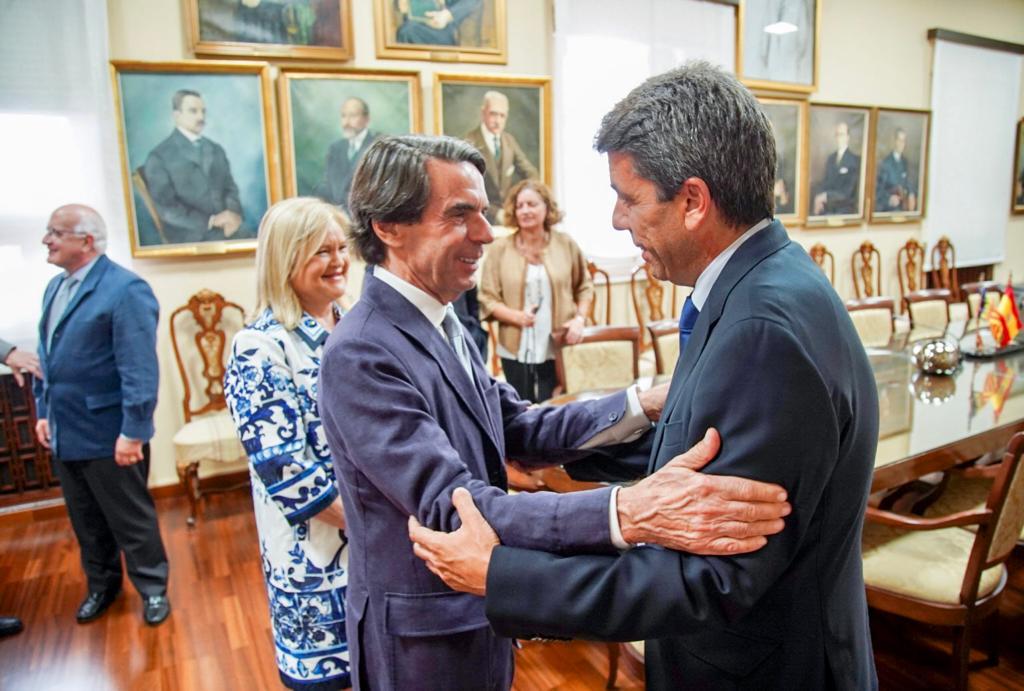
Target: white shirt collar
x=356, y=142
x=488, y=137
x=426, y=304
x=840, y=152
x=706, y=281
x=190, y=136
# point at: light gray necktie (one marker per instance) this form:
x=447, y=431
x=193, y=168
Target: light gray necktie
x=452, y=328
x=58, y=307
x=497, y=148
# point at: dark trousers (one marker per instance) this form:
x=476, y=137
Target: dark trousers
x=532, y=382
x=112, y=511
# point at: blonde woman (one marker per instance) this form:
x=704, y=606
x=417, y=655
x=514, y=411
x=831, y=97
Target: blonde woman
x=301, y=272
x=536, y=285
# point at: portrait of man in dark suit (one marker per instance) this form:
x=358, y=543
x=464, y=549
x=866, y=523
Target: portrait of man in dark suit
x=344, y=154
x=189, y=178
x=505, y=160
x=435, y=22
x=896, y=180
x=837, y=191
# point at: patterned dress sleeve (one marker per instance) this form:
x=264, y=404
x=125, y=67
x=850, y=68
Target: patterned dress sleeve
x=267, y=406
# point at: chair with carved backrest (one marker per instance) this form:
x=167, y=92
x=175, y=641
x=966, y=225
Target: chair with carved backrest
x=201, y=334
x=933, y=571
x=596, y=271
x=973, y=292
x=648, y=295
x=823, y=258
x=910, y=269
x=873, y=320
x=665, y=339
x=866, y=265
x=929, y=311
x=944, y=267
x=605, y=357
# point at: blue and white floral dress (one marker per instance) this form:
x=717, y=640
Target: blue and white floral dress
x=271, y=388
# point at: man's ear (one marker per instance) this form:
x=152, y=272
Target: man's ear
x=387, y=232
x=694, y=201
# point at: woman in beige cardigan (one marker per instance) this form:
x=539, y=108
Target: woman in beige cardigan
x=536, y=286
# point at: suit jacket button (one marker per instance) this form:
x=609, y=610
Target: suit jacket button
x=612, y=417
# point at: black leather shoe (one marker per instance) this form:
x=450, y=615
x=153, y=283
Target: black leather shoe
x=155, y=609
x=10, y=626
x=95, y=604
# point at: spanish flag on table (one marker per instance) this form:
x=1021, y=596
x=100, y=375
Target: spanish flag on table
x=1004, y=319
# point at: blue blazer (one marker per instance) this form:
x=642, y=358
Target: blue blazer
x=406, y=426
x=100, y=373
x=775, y=365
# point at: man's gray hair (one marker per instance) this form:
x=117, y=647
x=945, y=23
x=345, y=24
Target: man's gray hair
x=391, y=185
x=492, y=96
x=90, y=223
x=697, y=121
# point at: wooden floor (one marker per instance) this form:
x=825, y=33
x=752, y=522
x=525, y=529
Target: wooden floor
x=218, y=634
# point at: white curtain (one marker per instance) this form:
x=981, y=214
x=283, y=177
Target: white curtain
x=604, y=48
x=58, y=139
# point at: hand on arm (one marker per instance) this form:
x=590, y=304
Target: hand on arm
x=682, y=509
x=521, y=318
x=18, y=360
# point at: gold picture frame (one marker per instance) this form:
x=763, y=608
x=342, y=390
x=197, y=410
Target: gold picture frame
x=898, y=180
x=789, y=123
x=194, y=183
x=772, y=51
x=474, y=31
x=525, y=135
x=318, y=30
x=1017, y=186
x=837, y=183
x=311, y=102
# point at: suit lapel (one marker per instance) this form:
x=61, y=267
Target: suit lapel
x=87, y=287
x=409, y=320
x=51, y=292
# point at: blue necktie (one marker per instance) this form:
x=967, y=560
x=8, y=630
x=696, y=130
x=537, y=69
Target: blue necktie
x=686, y=321
x=452, y=328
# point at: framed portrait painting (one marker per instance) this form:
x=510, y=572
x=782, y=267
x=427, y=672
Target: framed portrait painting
x=442, y=30
x=198, y=154
x=329, y=119
x=507, y=118
x=837, y=161
x=777, y=44
x=313, y=29
x=900, y=164
x=789, y=124
x=1017, y=201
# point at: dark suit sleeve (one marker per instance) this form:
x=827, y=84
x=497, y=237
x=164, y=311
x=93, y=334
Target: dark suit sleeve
x=777, y=424
x=332, y=166
x=231, y=198
x=409, y=457
x=461, y=9
x=524, y=168
x=134, y=341
x=843, y=189
x=168, y=205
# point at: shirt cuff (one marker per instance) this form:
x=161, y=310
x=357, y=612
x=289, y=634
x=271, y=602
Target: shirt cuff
x=613, y=520
x=633, y=424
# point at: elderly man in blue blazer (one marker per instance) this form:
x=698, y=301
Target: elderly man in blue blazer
x=410, y=413
x=97, y=346
x=770, y=358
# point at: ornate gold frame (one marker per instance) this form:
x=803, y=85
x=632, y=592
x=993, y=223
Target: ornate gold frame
x=839, y=220
x=802, y=168
x=543, y=84
x=772, y=85
x=287, y=74
x=271, y=50
x=892, y=216
x=1018, y=161
x=272, y=172
x=389, y=49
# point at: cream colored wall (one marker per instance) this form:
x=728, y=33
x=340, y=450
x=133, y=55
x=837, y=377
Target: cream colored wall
x=155, y=30
x=876, y=52
x=873, y=52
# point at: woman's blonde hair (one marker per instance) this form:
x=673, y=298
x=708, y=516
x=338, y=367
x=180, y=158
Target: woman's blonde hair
x=554, y=214
x=290, y=233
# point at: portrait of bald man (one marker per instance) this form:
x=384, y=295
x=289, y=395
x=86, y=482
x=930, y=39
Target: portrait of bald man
x=344, y=154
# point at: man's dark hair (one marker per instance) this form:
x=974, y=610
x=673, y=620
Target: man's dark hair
x=391, y=185
x=697, y=121
x=180, y=95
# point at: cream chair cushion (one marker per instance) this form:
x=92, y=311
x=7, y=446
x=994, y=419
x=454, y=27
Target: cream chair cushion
x=965, y=494
x=931, y=314
x=212, y=437
x=874, y=326
x=958, y=312
x=926, y=564
x=597, y=365
x=668, y=346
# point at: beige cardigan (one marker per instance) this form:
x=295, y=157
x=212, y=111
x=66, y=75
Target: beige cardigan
x=504, y=282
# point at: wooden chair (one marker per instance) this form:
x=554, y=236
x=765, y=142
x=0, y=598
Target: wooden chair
x=866, y=265
x=201, y=333
x=944, y=267
x=928, y=309
x=973, y=292
x=606, y=357
x=596, y=271
x=665, y=339
x=932, y=571
x=823, y=258
x=910, y=268
x=649, y=299
x=139, y=182
x=873, y=320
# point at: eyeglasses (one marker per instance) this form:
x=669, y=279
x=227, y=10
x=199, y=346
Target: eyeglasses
x=60, y=234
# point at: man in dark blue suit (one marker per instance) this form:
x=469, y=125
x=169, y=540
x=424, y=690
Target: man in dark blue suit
x=97, y=346
x=770, y=358
x=344, y=154
x=896, y=182
x=839, y=190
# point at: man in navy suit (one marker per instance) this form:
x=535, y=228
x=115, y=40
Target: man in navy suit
x=410, y=413
x=344, y=154
x=896, y=183
x=839, y=190
x=97, y=346
x=771, y=359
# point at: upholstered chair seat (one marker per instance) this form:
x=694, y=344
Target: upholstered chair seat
x=606, y=357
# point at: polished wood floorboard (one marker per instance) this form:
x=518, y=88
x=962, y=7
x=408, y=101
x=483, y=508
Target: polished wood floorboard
x=218, y=635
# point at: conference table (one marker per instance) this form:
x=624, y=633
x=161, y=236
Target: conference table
x=927, y=423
